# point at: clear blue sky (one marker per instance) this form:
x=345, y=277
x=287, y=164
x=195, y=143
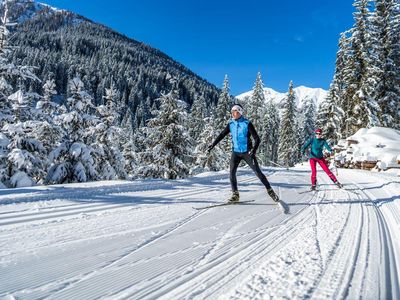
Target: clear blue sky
x=284, y=40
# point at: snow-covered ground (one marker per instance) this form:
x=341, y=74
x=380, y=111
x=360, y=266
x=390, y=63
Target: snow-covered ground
x=143, y=239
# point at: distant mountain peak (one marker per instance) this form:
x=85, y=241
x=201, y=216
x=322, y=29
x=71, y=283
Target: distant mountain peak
x=23, y=10
x=302, y=92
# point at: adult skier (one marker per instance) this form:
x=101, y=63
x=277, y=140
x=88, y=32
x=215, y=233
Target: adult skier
x=317, y=144
x=241, y=129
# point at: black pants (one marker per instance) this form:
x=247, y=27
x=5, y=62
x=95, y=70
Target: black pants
x=236, y=158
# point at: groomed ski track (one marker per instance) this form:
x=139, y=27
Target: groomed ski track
x=143, y=240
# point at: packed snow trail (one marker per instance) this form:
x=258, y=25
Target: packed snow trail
x=143, y=240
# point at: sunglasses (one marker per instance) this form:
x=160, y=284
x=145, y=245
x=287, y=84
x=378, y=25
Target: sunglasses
x=318, y=133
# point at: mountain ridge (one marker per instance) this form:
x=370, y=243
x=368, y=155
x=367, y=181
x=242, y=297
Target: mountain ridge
x=301, y=93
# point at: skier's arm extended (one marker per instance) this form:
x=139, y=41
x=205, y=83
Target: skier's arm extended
x=223, y=134
x=255, y=136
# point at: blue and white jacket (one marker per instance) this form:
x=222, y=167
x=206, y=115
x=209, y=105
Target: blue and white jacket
x=240, y=130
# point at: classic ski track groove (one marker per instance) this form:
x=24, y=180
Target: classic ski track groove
x=16, y=217
x=258, y=244
x=70, y=282
x=392, y=287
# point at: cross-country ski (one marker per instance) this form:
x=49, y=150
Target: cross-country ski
x=222, y=204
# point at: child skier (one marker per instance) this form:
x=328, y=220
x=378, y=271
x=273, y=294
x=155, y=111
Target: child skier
x=240, y=129
x=316, y=156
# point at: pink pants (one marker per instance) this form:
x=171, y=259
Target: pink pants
x=322, y=162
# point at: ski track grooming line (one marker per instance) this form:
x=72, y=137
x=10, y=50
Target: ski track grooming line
x=158, y=236
x=333, y=266
x=151, y=285
x=361, y=253
x=172, y=274
x=215, y=275
x=59, y=285
x=71, y=282
x=73, y=196
x=241, y=181
x=13, y=218
x=237, y=263
x=336, y=277
x=392, y=284
x=79, y=214
x=279, y=274
x=93, y=192
x=331, y=261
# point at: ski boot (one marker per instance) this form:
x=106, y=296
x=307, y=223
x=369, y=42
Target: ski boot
x=313, y=187
x=234, y=198
x=338, y=184
x=272, y=194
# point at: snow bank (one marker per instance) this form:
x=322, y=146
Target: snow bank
x=375, y=145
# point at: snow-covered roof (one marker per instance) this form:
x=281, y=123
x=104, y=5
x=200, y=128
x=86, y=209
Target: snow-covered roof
x=377, y=144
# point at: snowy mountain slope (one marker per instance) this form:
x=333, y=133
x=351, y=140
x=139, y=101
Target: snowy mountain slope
x=301, y=93
x=61, y=42
x=143, y=240
x=23, y=10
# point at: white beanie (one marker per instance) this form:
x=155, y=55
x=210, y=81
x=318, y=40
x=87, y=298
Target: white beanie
x=238, y=108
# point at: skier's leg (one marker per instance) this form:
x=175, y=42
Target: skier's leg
x=253, y=164
x=324, y=165
x=235, y=160
x=313, y=163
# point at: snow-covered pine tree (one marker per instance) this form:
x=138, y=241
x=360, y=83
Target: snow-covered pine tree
x=196, y=118
x=129, y=147
x=207, y=161
x=287, y=135
x=222, y=115
x=385, y=75
x=307, y=126
x=23, y=164
x=338, y=88
x=47, y=108
x=268, y=151
x=72, y=160
x=26, y=159
x=298, y=142
x=394, y=57
x=109, y=138
x=8, y=70
x=360, y=108
x=46, y=129
x=309, y=112
x=5, y=90
x=342, y=70
x=129, y=150
x=168, y=146
x=329, y=117
x=256, y=105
